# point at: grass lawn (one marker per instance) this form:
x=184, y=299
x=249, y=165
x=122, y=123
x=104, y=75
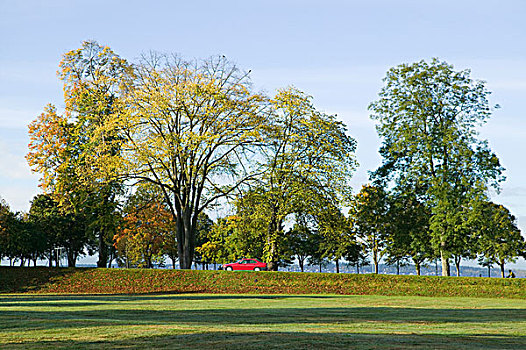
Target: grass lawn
x=208, y=321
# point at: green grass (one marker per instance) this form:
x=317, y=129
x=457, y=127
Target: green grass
x=139, y=281
x=205, y=321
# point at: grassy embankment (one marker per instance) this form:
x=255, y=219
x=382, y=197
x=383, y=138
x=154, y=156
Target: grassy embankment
x=138, y=281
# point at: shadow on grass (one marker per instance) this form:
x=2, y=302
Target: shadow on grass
x=259, y=315
x=225, y=324
x=289, y=340
x=67, y=299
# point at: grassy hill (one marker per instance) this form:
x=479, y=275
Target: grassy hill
x=138, y=281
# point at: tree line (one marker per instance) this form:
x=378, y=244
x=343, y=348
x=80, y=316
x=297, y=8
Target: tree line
x=144, y=151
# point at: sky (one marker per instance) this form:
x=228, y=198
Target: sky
x=336, y=51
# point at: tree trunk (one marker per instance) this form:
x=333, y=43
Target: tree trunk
x=320, y=267
x=185, y=239
x=458, y=259
x=397, y=267
x=501, y=264
x=300, y=262
x=337, y=266
x=72, y=259
x=103, y=251
x=445, y=265
x=358, y=268
x=417, y=265
x=375, y=262
x=272, y=233
x=489, y=270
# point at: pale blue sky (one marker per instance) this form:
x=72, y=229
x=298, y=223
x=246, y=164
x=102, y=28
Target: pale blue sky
x=337, y=51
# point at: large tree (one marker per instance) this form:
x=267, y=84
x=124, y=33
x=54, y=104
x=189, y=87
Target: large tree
x=187, y=129
x=427, y=116
x=305, y=164
x=67, y=148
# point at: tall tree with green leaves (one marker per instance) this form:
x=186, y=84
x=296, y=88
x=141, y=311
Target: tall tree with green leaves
x=307, y=158
x=428, y=115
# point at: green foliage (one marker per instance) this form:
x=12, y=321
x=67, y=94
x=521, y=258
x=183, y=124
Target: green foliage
x=499, y=240
x=409, y=235
x=304, y=240
x=370, y=221
x=230, y=239
x=59, y=228
x=19, y=237
x=428, y=114
x=306, y=158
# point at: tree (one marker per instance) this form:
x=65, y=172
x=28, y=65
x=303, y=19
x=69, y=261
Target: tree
x=337, y=234
x=187, y=129
x=356, y=256
x=409, y=235
x=28, y=244
x=60, y=229
x=369, y=219
x=304, y=240
x=307, y=157
x=44, y=215
x=498, y=237
x=68, y=149
x=463, y=244
x=204, y=227
x=5, y=218
x=19, y=238
x=428, y=114
x=145, y=225
x=231, y=238
x=216, y=248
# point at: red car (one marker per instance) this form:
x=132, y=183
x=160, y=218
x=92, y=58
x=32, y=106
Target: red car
x=246, y=264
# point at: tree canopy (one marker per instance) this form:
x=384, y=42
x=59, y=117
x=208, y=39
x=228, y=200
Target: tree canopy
x=427, y=116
